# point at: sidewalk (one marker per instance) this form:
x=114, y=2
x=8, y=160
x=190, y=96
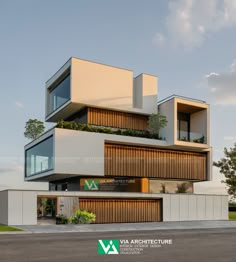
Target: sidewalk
x=127, y=227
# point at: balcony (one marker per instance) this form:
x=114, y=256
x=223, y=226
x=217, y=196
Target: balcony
x=188, y=122
x=193, y=137
x=191, y=123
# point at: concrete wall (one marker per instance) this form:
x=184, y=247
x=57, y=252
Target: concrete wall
x=138, y=92
x=176, y=207
x=199, y=125
x=67, y=205
x=186, y=207
x=4, y=207
x=20, y=207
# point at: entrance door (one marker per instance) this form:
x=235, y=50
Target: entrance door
x=46, y=209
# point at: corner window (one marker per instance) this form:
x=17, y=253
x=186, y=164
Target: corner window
x=39, y=158
x=59, y=95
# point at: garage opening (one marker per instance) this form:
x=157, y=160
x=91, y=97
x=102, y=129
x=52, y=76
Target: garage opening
x=123, y=210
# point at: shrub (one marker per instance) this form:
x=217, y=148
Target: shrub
x=199, y=140
x=82, y=217
x=182, y=188
x=98, y=129
x=62, y=219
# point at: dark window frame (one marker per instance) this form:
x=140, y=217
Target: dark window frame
x=55, y=86
x=41, y=172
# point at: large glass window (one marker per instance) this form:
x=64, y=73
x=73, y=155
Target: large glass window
x=39, y=158
x=183, y=126
x=59, y=95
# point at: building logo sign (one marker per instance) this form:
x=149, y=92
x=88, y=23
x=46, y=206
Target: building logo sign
x=130, y=247
x=91, y=184
x=108, y=247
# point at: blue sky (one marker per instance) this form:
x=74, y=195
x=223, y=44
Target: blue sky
x=188, y=44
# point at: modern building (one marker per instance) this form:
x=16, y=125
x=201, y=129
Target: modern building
x=103, y=155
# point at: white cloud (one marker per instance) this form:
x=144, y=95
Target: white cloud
x=159, y=39
x=222, y=86
x=19, y=104
x=189, y=22
x=211, y=74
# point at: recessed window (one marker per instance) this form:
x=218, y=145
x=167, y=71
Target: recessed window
x=183, y=126
x=59, y=95
x=39, y=158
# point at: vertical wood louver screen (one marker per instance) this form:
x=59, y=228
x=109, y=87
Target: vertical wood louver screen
x=102, y=117
x=131, y=161
x=123, y=210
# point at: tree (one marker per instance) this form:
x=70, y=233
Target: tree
x=33, y=128
x=156, y=122
x=227, y=167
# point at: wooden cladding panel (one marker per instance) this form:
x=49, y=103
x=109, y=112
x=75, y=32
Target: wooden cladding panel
x=102, y=117
x=131, y=161
x=123, y=210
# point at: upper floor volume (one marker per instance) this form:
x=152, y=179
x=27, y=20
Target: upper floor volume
x=102, y=95
x=81, y=83
x=108, y=110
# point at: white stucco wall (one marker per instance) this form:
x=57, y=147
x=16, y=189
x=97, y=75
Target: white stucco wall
x=22, y=208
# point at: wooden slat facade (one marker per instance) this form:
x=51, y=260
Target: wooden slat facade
x=123, y=210
x=132, y=161
x=109, y=118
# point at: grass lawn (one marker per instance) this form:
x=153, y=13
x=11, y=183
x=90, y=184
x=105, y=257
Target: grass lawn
x=4, y=228
x=232, y=215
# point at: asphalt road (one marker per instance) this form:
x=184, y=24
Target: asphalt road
x=216, y=245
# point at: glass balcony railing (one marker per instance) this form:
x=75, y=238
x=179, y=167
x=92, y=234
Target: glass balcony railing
x=193, y=137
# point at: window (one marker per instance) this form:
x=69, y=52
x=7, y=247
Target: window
x=39, y=158
x=59, y=95
x=183, y=126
